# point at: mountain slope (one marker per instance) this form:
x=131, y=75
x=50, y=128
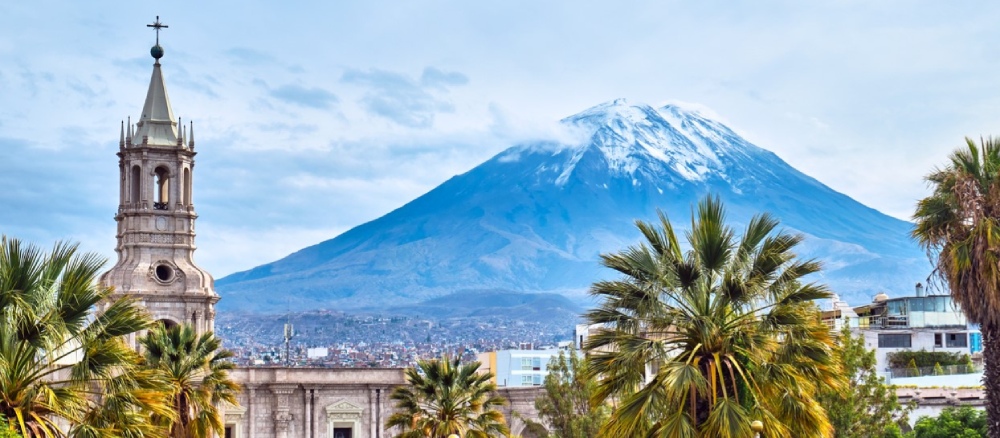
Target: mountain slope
x=535, y=217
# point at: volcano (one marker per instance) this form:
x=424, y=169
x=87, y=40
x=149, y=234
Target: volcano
x=535, y=217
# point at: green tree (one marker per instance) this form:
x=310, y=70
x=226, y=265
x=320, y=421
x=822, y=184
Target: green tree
x=447, y=397
x=959, y=226
x=61, y=360
x=727, y=329
x=912, y=367
x=867, y=407
x=197, y=370
x=962, y=422
x=533, y=430
x=565, y=406
x=938, y=370
x=6, y=431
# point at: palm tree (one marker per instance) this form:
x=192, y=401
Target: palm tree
x=447, y=397
x=959, y=226
x=60, y=361
x=197, y=370
x=702, y=342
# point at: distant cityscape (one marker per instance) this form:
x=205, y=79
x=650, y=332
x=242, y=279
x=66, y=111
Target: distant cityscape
x=378, y=341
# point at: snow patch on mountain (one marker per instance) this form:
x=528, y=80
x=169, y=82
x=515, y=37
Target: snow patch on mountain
x=637, y=139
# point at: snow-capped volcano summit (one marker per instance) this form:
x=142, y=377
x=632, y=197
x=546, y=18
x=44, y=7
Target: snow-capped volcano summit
x=630, y=136
x=639, y=139
x=535, y=217
x=666, y=147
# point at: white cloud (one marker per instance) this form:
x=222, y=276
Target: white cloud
x=865, y=97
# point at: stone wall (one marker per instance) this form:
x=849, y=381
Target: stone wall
x=311, y=402
x=521, y=406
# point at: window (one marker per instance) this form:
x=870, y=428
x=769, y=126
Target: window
x=938, y=343
x=894, y=341
x=230, y=431
x=536, y=380
x=957, y=340
x=526, y=363
x=897, y=307
x=536, y=364
x=164, y=273
x=526, y=380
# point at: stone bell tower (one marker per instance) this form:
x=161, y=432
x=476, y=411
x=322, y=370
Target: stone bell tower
x=156, y=214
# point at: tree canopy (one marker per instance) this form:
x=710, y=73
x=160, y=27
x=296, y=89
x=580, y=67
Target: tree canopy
x=445, y=397
x=867, y=407
x=196, y=369
x=59, y=360
x=699, y=340
x=961, y=422
x=959, y=226
x=565, y=406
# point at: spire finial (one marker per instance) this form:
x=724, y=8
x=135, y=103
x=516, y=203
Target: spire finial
x=157, y=51
x=121, y=141
x=191, y=133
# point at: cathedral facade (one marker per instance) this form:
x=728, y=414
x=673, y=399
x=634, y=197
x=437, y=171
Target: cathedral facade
x=156, y=245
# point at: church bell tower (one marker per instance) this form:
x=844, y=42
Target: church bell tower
x=156, y=214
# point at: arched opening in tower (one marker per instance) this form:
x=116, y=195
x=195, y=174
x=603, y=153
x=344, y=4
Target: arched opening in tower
x=162, y=189
x=135, y=195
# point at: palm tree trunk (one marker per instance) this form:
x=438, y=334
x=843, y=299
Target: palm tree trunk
x=991, y=377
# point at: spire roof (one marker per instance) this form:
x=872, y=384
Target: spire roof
x=157, y=124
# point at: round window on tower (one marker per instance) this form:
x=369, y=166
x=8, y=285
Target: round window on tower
x=164, y=273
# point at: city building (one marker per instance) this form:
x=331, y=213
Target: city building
x=517, y=368
x=918, y=322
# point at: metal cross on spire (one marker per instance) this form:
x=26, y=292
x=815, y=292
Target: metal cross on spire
x=157, y=25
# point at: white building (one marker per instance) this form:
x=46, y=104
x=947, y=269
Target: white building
x=919, y=322
x=517, y=368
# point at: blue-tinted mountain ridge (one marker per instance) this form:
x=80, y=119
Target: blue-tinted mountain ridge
x=535, y=217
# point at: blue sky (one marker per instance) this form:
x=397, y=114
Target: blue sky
x=314, y=117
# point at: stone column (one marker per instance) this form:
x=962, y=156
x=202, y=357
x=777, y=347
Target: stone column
x=307, y=417
x=282, y=420
x=252, y=423
x=211, y=320
x=371, y=411
x=282, y=416
x=196, y=321
x=378, y=412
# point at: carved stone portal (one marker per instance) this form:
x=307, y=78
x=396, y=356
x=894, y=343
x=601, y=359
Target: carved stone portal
x=343, y=415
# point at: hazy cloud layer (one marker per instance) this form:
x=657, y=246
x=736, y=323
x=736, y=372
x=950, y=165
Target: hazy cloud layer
x=404, y=100
x=313, y=97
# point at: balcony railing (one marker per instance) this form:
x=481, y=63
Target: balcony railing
x=931, y=371
x=884, y=322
